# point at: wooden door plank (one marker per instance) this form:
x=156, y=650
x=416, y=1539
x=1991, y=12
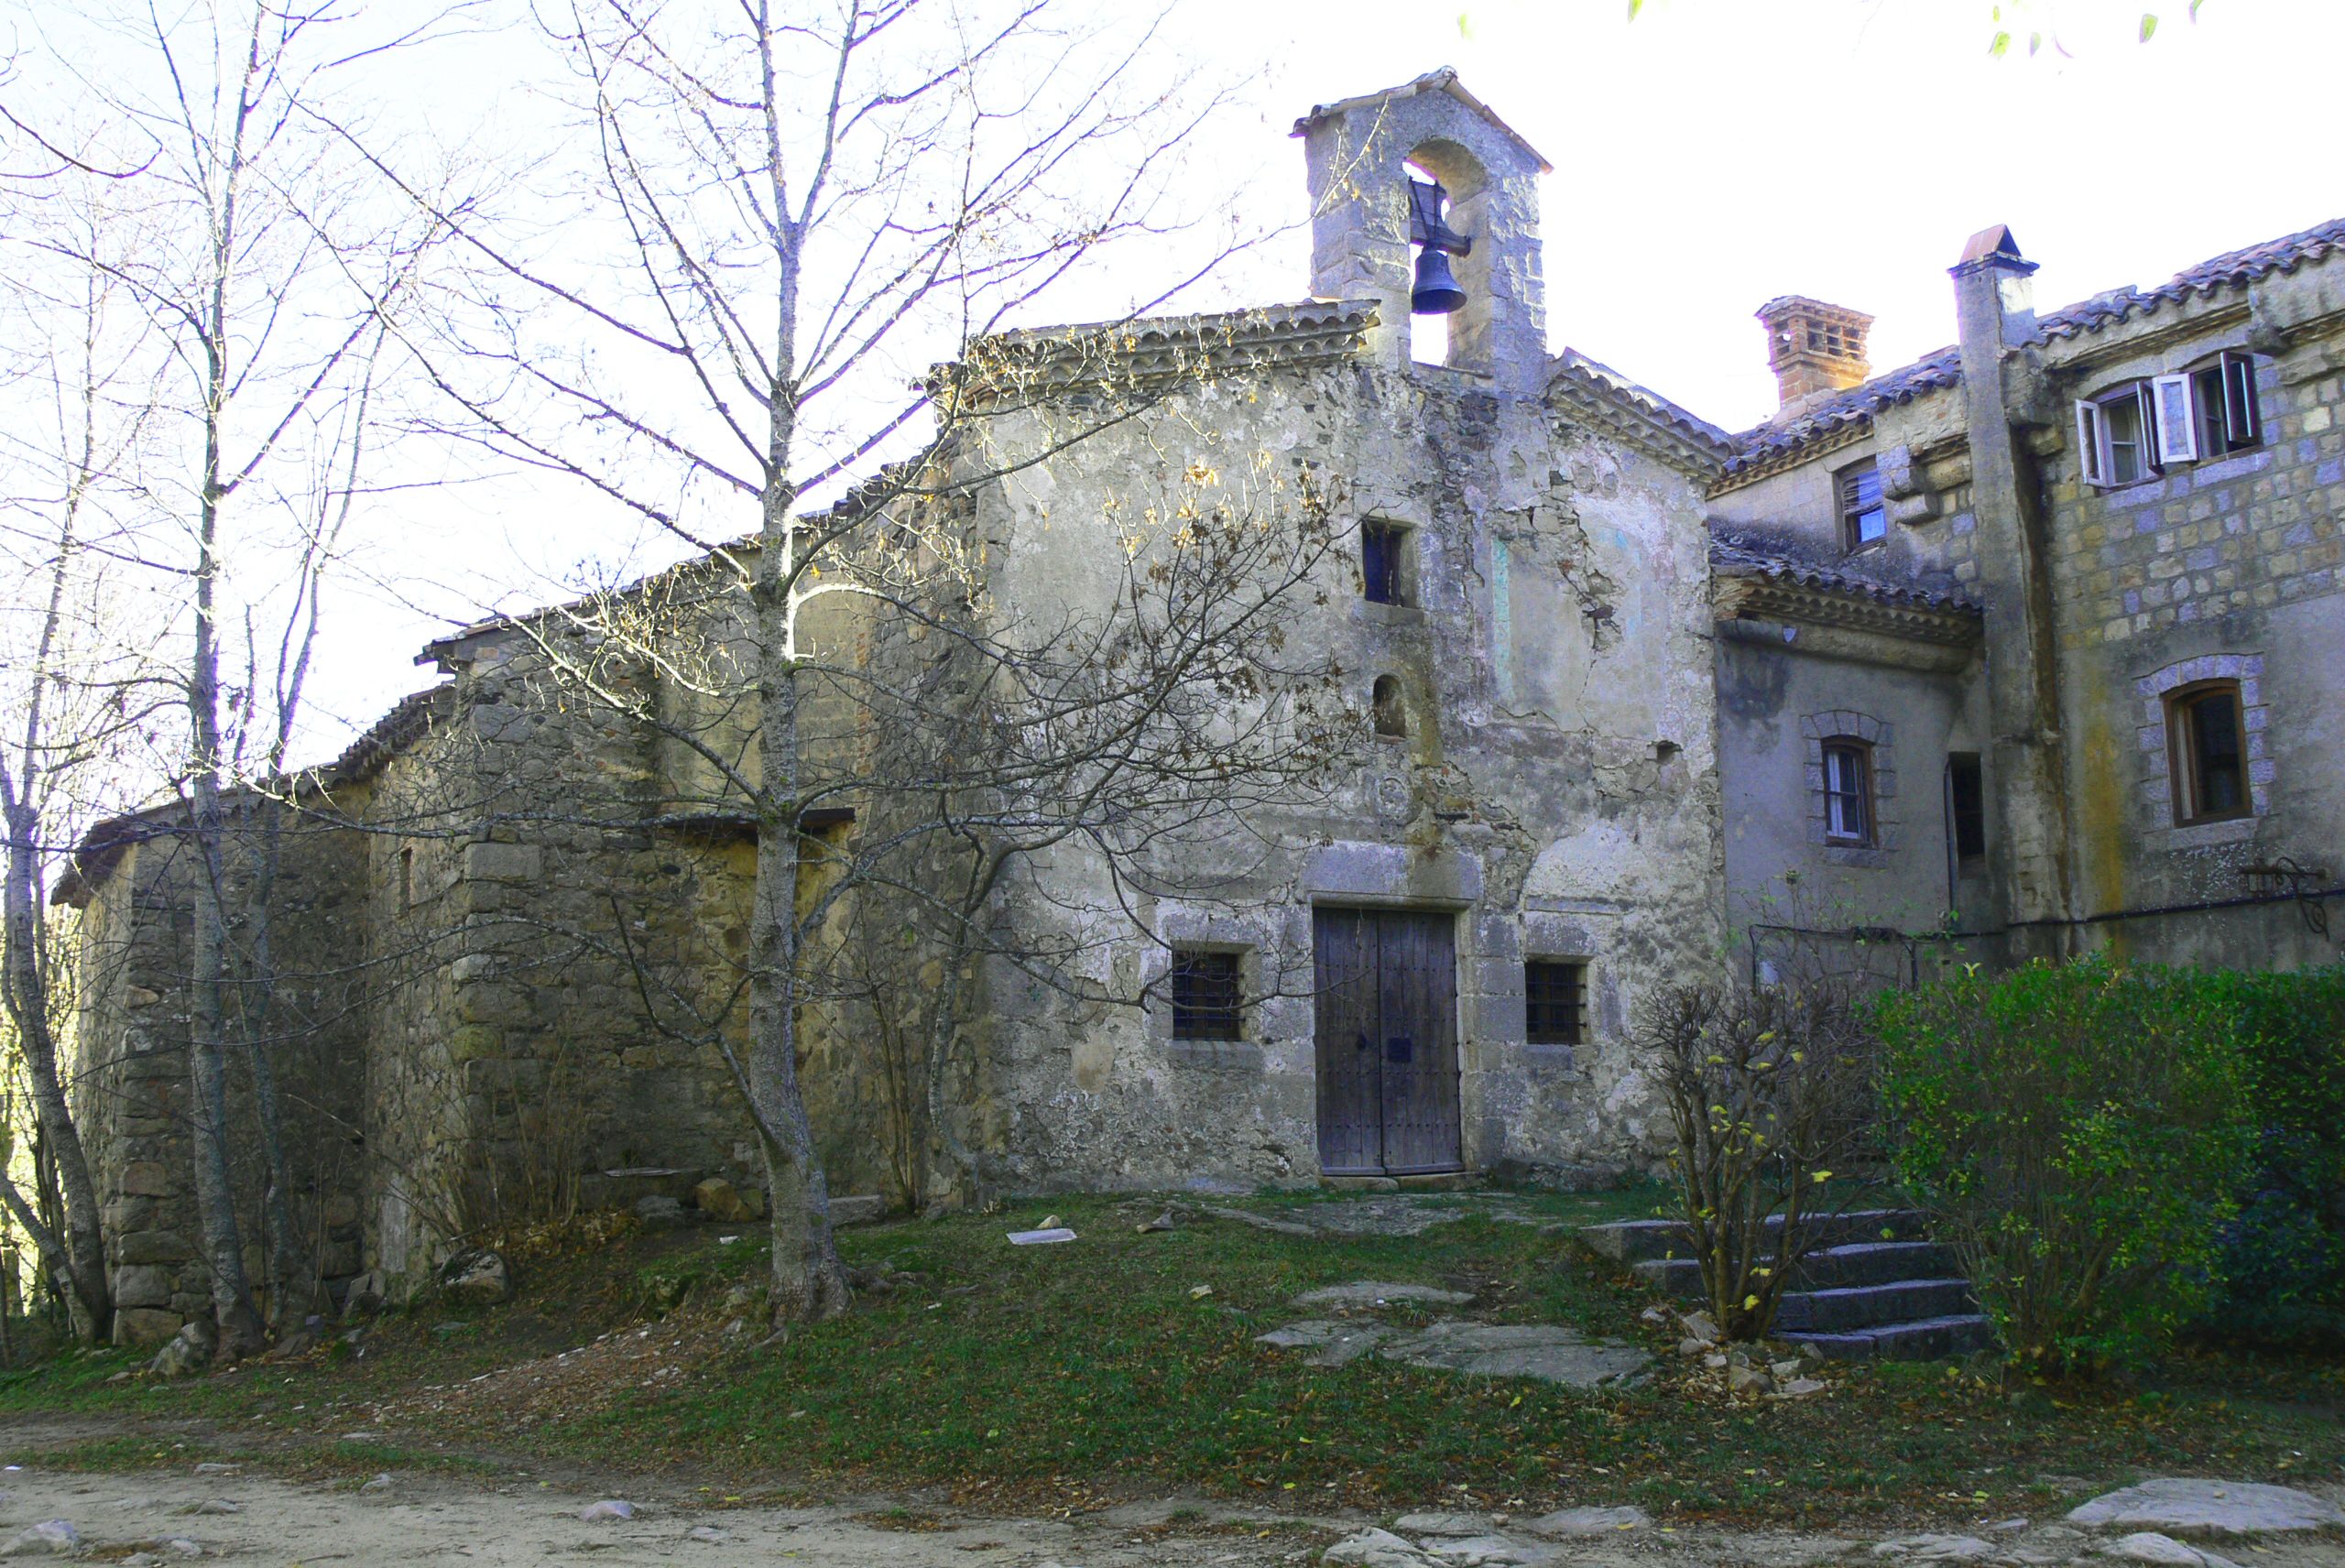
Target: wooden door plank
x=1418, y=991
x=1345, y=970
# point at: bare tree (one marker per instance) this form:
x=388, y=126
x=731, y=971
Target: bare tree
x=262, y=279
x=80, y=702
x=781, y=214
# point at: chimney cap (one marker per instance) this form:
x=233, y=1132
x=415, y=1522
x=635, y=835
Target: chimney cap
x=1785, y=306
x=1993, y=246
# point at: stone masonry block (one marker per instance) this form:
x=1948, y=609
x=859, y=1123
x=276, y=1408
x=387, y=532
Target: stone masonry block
x=504, y=862
x=145, y=1179
x=142, y=1285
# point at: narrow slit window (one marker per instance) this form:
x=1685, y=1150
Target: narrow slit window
x=1848, y=792
x=1965, y=809
x=2207, y=739
x=1207, y=1003
x=1553, y=1001
x=1864, y=517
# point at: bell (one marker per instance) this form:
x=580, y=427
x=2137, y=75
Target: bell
x=1436, y=293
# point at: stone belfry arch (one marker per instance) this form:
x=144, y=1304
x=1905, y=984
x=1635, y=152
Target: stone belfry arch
x=1357, y=154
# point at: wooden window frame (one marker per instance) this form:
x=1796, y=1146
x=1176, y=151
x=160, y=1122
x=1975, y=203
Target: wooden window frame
x=1860, y=750
x=1207, y=985
x=2185, y=764
x=2226, y=417
x=1847, y=493
x=1555, y=1001
x=2192, y=416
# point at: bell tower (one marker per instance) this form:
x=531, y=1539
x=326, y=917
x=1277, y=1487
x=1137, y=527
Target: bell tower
x=1369, y=160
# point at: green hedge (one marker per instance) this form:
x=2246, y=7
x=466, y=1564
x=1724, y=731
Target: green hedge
x=2080, y=1135
x=2282, y=1266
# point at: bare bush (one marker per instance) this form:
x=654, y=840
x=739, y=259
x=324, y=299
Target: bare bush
x=1770, y=1094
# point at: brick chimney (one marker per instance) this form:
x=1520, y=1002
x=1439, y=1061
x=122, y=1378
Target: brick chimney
x=1813, y=347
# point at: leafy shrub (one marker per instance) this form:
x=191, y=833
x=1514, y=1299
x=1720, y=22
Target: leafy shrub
x=2079, y=1135
x=2284, y=1256
x=1768, y=1093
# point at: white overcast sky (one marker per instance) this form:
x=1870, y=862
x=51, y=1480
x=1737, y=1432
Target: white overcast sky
x=1709, y=156
x=1714, y=153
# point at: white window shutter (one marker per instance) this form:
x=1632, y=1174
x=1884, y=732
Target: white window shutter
x=2177, y=440
x=2092, y=444
x=2148, y=413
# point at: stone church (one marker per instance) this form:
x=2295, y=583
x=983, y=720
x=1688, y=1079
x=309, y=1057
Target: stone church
x=2030, y=648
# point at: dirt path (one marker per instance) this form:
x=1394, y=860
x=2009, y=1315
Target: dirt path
x=431, y=1520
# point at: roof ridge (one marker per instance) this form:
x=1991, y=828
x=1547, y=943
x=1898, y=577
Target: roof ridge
x=1942, y=367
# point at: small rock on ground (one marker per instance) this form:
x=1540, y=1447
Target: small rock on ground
x=51, y=1538
x=2185, y=1506
x=477, y=1275
x=608, y=1509
x=1935, y=1548
x=1374, y=1549
x=707, y=1533
x=1566, y=1523
x=2164, y=1550
x=1442, y=1524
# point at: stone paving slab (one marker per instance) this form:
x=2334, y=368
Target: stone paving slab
x=1371, y=1293
x=2188, y=1506
x=1398, y=1214
x=1552, y=1353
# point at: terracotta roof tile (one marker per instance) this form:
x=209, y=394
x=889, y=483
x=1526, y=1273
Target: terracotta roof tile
x=1745, y=551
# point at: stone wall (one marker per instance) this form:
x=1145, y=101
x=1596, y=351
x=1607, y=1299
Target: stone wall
x=130, y=1087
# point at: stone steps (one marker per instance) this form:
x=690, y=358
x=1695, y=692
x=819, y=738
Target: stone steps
x=1858, y=1307
x=1879, y=1289
x=1640, y=1241
x=1857, y=1263
x=1922, y=1339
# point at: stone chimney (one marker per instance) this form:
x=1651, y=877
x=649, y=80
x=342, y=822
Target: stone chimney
x=1813, y=347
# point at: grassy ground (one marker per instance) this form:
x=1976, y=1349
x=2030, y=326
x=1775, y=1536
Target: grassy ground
x=1058, y=1375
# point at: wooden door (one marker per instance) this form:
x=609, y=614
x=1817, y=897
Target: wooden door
x=1387, y=1041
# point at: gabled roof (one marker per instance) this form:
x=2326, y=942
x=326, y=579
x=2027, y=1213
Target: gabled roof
x=1943, y=368
x=1636, y=413
x=1442, y=81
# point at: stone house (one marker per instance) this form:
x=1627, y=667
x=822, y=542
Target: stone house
x=2033, y=641
x=2037, y=638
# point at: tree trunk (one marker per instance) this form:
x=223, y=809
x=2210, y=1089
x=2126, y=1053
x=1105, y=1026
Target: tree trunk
x=292, y=1288
x=84, y=1243
x=241, y=1333
x=809, y=1283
